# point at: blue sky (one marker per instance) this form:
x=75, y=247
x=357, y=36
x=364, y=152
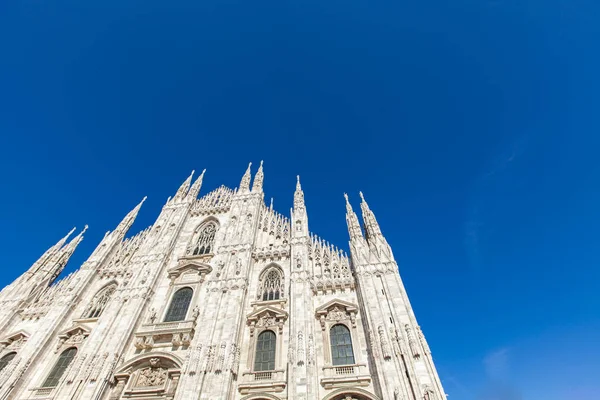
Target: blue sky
x=471, y=126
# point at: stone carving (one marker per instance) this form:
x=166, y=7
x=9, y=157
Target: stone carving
x=17, y=343
x=310, y=358
x=423, y=341
x=152, y=316
x=414, y=349
x=335, y=314
x=429, y=394
x=385, y=349
x=300, y=348
x=291, y=352
x=267, y=320
x=151, y=376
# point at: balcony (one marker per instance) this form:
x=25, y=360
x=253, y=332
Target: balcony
x=165, y=334
x=262, y=381
x=345, y=375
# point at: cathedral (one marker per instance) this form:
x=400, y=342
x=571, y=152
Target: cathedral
x=222, y=298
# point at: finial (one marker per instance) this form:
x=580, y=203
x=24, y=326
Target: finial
x=361, y=196
x=346, y=197
x=298, y=187
x=258, y=179
x=271, y=203
x=85, y=228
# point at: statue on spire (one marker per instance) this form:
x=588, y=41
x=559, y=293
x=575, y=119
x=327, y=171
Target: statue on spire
x=257, y=185
x=193, y=193
x=245, y=182
x=370, y=222
x=129, y=218
x=183, y=189
x=298, y=195
x=352, y=221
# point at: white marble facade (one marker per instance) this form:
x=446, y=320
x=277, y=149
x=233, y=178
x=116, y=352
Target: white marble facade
x=221, y=298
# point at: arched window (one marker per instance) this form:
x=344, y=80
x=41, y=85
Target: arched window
x=99, y=302
x=271, y=285
x=60, y=367
x=265, y=352
x=206, y=239
x=341, y=345
x=179, y=305
x=4, y=361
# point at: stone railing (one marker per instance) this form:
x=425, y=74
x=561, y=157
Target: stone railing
x=163, y=334
x=342, y=375
x=262, y=381
x=43, y=391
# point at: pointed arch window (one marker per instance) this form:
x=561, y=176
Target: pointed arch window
x=265, y=352
x=63, y=362
x=179, y=305
x=99, y=302
x=206, y=239
x=4, y=361
x=271, y=285
x=341, y=345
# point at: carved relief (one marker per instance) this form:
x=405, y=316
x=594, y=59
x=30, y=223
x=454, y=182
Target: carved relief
x=411, y=342
x=385, y=348
x=151, y=377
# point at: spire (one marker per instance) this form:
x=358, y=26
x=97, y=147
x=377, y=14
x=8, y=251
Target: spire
x=184, y=188
x=257, y=185
x=62, y=241
x=298, y=195
x=352, y=221
x=372, y=229
x=245, y=182
x=193, y=193
x=59, y=260
x=129, y=219
x=49, y=253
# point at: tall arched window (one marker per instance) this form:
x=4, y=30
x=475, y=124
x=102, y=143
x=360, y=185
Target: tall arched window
x=179, y=305
x=205, y=242
x=4, y=361
x=99, y=302
x=265, y=351
x=341, y=345
x=65, y=358
x=271, y=285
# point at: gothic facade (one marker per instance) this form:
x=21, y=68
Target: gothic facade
x=221, y=298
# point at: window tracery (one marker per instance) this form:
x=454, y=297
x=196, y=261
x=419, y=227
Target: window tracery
x=271, y=285
x=99, y=302
x=265, y=351
x=341, y=345
x=63, y=362
x=4, y=361
x=179, y=305
x=204, y=244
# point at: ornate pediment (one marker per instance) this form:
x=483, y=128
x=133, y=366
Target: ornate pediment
x=149, y=376
x=335, y=311
x=195, y=265
x=266, y=317
x=14, y=341
x=72, y=336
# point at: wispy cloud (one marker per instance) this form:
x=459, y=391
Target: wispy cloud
x=496, y=364
x=497, y=369
x=476, y=212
